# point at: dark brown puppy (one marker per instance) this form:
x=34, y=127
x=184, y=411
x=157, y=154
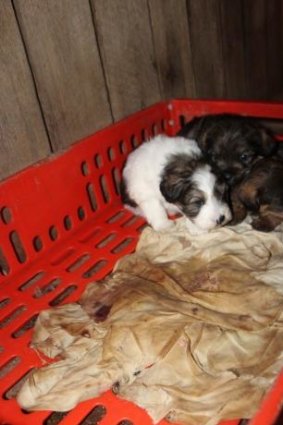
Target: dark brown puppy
x=230, y=143
x=261, y=193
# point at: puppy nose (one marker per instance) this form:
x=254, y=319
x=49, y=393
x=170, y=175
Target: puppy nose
x=220, y=219
x=227, y=175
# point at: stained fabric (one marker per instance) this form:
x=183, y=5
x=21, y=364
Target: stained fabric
x=188, y=327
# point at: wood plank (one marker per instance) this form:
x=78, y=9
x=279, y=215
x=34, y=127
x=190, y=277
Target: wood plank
x=169, y=23
x=62, y=49
x=274, y=35
x=206, y=44
x=23, y=139
x=126, y=45
x=254, y=13
x=232, y=31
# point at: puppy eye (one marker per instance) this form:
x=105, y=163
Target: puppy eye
x=198, y=203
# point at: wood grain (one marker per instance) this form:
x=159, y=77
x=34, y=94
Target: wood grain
x=255, y=39
x=63, y=53
x=206, y=45
x=232, y=37
x=173, y=54
x=70, y=67
x=274, y=36
x=23, y=139
x=126, y=45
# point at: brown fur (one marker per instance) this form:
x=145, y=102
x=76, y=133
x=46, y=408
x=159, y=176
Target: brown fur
x=261, y=193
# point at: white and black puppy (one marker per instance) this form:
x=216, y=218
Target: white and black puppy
x=168, y=175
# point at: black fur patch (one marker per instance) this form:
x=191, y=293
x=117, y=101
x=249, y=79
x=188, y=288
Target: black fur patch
x=177, y=187
x=230, y=143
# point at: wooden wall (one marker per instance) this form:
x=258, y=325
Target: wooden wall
x=70, y=67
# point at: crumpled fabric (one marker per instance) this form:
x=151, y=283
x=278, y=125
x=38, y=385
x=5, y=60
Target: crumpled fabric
x=188, y=327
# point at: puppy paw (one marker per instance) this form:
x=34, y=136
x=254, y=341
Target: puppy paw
x=163, y=225
x=262, y=225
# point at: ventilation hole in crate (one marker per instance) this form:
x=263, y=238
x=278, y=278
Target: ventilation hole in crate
x=144, y=135
x=37, y=243
x=67, y=222
x=98, y=161
x=94, y=416
x=29, y=324
x=163, y=125
x=122, y=147
x=55, y=418
x=245, y=422
x=182, y=120
x=111, y=154
x=78, y=263
x=91, y=196
x=9, y=366
x=122, y=246
x=63, y=295
x=116, y=217
x=95, y=268
x=53, y=233
x=18, y=247
x=84, y=168
x=116, y=180
x=154, y=129
x=31, y=281
x=4, y=266
x=104, y=189
x=4, y=302
x=134, y=142
x=6, y=215
x=130, y=221
x=12, y=316
x=125, y=422
x=49, y=287
x=1, y=349
x=106, y=240
x=15, y=388
x=81, y=213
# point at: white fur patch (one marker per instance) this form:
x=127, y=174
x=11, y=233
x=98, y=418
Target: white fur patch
x=142, y=176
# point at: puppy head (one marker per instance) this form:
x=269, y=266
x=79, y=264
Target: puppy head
x=231, y=143
x=195, y=190
x=261, y=188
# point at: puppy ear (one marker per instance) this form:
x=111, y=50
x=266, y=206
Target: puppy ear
x=192, y=129
x=176, y=177
x=171, y=187
x=268, y=144
x=249, y=195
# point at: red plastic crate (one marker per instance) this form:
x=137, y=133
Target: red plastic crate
x=62, y=225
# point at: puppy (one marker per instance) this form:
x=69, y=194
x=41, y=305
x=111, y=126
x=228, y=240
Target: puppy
x=260, y=193
x=230, y=143
x=168, y=176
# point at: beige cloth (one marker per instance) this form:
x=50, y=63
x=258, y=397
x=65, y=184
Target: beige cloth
x=188, y=327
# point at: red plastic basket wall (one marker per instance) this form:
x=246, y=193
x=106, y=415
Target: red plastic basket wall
x=62, y=225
